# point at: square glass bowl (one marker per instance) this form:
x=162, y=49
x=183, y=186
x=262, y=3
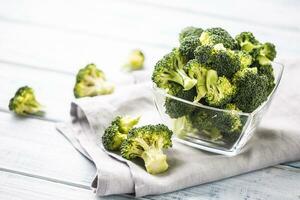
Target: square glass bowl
x=226, y=139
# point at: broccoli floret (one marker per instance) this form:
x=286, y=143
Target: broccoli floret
x=247, y=41
x=198, y=72
x=117, y=132
x=252, y=89
x=225, y=61
x=91, y=81
x=265, y=53
x=183, y=126
x=24, y=102
x=190, y=31
x=125, y=123
x=213, y=36
x=147, y=142
x=245, y=59
x=268, y=71
x=113, y=138
x=219, y=89
x=136, y=60
x=176, y=108
x=170, y=69
x=188, y=46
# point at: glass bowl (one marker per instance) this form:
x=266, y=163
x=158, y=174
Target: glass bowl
x=223, y=140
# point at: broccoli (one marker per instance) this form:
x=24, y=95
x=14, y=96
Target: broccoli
x=225, y=61
x=245, y=59
x=188, y=46
x=252, y=89
x=24, y=102
x=190, y=31
x=219, y=89
x=247, y=41
x=125, y=123
x=170, y=69
x=91, y=81
x=268, y=71
x=213, y=36
x=136, y=60
x=148, y=142
x=198, y=72
x=264, y=54
x=176, y=108
x=117, y=132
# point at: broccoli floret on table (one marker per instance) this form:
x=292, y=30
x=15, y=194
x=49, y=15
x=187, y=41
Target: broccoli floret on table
x=147, y=142
x=213, y=36
x=91, y=81
x=176, y=108
x=24, y=102
x=136, y=60
x=189, y=31
x=170, y=69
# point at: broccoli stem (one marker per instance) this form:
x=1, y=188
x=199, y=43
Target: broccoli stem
x=153, y=156
x=119, y=138
x=187, y=82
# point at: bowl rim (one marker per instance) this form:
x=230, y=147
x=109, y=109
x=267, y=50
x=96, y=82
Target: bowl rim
x=197, y=104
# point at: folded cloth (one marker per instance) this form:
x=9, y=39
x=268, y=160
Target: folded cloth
x=187, y=166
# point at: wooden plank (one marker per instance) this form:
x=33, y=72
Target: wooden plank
x=267, y=184
x=157, y=28
x=271, y=183
x=34, y=147
x=18, y=187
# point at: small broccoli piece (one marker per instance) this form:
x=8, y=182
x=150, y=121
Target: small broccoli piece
x=225, y=61
x=170, y=69
x=176, y=108
x=188, y=46
x=113, y=138
x=136, y=60
x=125, y=123
x=183, y=126
x=198, y=72
x=213, y=36
x=247, y=41
x=91, y=81
x=265, y=53
x=117, y=132
x=219, y=89
x=147, y=142
x=245, y=59
x=24, y=102
x=190, y=31
x=252, y=89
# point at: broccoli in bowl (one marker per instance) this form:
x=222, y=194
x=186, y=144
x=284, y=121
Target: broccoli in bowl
x=225, y=86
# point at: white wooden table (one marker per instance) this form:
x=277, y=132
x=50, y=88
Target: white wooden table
x=44, y=43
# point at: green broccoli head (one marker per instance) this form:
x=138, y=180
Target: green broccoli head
x=188, y=46
x=125, y=123
x=175, y=108
x=213, y=36
x=136, y=60
x=117, y=132
x=247, y=41
x=252, y=89
x=24, y=102
x=113, y=138
x=245, y=59
x=225, y=61
x=170, y=69
x=91, y=81
x=189, y=31
x=198, y=72
x=265, y=53
x=147, y=142
x=219, y=89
